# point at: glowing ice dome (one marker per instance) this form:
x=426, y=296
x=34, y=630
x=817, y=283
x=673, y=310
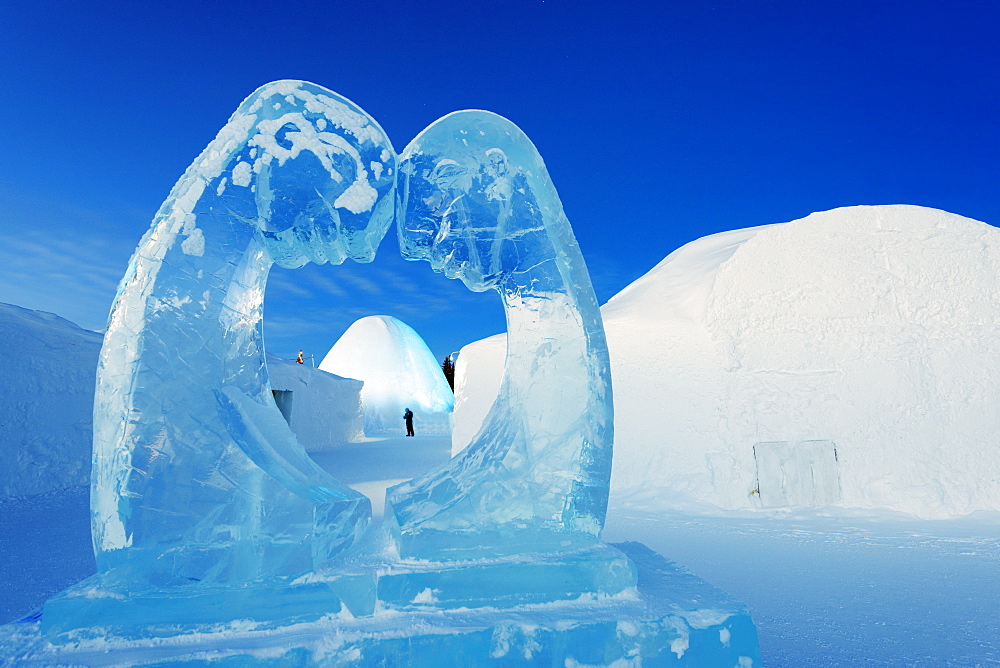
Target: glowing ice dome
x=399, y=372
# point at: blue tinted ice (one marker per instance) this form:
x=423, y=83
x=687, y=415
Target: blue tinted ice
x=197, y=478
x=476, y=201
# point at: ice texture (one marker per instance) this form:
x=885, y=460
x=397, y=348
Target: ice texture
x=475, y=201
x=399, y=372
x=197, y=477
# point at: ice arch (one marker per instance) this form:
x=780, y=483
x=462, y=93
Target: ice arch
x=196, y=475
x=475, y=200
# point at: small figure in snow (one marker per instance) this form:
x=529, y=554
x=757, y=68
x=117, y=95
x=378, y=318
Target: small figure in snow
x=299, y=359
x=408, y=416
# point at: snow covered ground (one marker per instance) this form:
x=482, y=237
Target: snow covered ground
x=840, y=588
x=826, y=588
x=376, y=463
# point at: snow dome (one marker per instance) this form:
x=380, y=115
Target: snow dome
x=399, y=372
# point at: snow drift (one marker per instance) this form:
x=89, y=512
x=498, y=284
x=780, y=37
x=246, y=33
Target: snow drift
x=47, y=372
x=855, y=352
x=399, y=372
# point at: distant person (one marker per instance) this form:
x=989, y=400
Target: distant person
x=299, y=360
x=408, y=416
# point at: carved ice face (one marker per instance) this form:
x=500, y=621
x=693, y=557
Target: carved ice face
x=321, y=173
x=441, y=220
x=455, y=206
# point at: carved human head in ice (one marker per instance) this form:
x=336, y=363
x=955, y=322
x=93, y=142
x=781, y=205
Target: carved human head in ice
x=463, y=202
x=320, y=173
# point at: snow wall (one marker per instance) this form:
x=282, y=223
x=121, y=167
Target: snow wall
x=323, y=410
x=850, y=357
x=47, y=372
x=399, y=371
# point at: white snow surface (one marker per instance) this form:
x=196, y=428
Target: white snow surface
x=873, y=328
x=831, y=587
x=476, y=388
x=399, y=372
x=47, y=375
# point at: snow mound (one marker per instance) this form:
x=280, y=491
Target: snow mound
x=398, y=371
x=478, y=373
x=47, y=375
x=849, y=357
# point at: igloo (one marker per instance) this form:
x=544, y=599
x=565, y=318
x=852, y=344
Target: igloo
x=399, y=372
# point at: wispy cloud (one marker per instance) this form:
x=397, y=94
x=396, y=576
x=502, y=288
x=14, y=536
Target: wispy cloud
x=327, y=282
x=279, y=281
x=358, y=283
x=65, y=271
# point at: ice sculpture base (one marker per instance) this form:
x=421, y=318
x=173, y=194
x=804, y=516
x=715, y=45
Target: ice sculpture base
x=477, y=542
x=359, y=588
x=671, y=618
x=89, y=610
x=598, y=570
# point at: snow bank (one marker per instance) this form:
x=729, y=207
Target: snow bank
x=47, y=375
x=323, y=410
x=859, y=344
x=477, y=384
x=399, y=372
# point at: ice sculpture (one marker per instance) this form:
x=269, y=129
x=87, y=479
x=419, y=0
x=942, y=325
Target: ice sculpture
x=196, y=476
x=399, y=372
x=475, y=200
x=214, y=528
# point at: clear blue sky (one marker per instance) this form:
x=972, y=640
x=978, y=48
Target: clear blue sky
x=660, y=122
